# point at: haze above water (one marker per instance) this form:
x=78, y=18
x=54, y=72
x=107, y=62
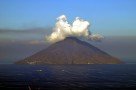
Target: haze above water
x=14, y=49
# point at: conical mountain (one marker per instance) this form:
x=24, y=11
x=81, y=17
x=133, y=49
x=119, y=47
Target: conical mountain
x=70, y=51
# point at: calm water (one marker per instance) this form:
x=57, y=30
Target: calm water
x=67, y=77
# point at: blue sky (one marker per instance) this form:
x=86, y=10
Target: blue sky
x=108, y=17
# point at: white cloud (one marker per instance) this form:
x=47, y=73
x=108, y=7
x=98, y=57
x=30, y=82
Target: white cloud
x=79, y=28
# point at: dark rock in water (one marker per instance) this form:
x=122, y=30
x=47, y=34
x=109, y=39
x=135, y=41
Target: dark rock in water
x=70, y=51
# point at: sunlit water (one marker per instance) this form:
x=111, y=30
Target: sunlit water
x=67, y=77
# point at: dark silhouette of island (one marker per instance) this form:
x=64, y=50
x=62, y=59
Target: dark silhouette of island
x=70, y=51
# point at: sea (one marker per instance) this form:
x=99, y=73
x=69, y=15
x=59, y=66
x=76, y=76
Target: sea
x=68, y=77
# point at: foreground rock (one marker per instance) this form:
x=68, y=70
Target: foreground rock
x=70, y=51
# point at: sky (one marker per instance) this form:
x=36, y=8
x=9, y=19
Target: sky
x=108, y=17
x=25, y=23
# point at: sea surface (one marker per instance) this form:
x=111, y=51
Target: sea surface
x=68, y=77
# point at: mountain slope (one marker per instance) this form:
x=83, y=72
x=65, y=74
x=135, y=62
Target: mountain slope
x=70, y=51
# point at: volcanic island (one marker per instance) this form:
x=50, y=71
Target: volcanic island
x=70, y=51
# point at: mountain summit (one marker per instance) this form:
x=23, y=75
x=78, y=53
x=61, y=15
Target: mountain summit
x=70, y=51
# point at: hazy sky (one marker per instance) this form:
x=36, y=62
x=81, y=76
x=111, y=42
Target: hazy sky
x=20, y=22
x=108, y=17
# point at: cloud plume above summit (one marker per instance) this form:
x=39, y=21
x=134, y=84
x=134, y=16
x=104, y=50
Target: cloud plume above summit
x=79, y=28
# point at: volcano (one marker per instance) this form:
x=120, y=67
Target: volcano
x=70, y=51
